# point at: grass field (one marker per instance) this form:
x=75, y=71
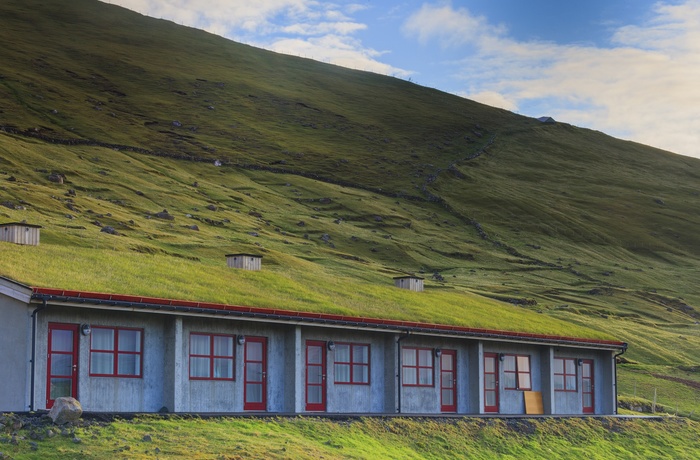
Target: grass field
x=341, y=180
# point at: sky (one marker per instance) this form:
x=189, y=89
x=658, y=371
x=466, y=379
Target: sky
x=629, y=68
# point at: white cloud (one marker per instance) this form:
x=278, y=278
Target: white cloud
x=643, y=87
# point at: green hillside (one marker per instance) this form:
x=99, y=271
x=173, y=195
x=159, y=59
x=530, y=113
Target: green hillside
x=341, y=180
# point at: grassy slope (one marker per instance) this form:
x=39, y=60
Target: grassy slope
x=370, y=438
x=599, y=232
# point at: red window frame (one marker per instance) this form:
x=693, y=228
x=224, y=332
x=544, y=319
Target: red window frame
x=517, y=372
x=564, y=375
x=212, y=357
x=354, y=379
x=417, y=367
x=116, y=352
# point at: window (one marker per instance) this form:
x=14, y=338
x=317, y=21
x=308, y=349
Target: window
x=564, y=374
x=417, y=367
x=516, y=372
x=211, y=357
x=116, y=352
x=352, y=363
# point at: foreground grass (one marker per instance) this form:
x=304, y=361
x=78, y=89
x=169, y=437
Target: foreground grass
x=394, y=438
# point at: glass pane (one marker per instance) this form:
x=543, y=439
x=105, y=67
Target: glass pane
x=360, y=354
x=558, y=382
x=254, y=351
x=342, y=373
x=342, y=353
x=129, y=364
x=446, y=379
x=425, y=376
x=409, y=357
x=490, y=381
x=586, y=370
x=61, y=340
x=409, y=376
x=223, y=346
x=360, y=373
x=199, y=367
x=253, y=392
x=199, y=344
x=524, y=381
x=489, y=364
x=446, y=362
x=490, y=398
x=509, y=363
x=129, y=340
x=314, y=375
x=587, y=400
x=223, y=368
x=254, y=372
x=558, y=366
x=60, y=388
x=61, y=364
x=523, y=364
x=586, y=385
x=314, y=354
x=570, y=366
x=447, y=397
x=314, y=394
x=509, y=380
x=101, y=363
x=102, y=339
x=570, y=382
x=425, y=358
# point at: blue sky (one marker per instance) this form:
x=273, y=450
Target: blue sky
x=629, y=68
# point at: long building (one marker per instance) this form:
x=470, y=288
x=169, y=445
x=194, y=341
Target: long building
x=123, y=353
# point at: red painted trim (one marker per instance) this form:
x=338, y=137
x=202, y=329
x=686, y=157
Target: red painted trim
x=74, y=358
x=290, y=314
x=319, y=406
x=352, y=363
x=254, y=379
x=451, y=384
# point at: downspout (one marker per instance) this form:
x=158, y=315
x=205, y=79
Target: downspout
x=398, y=372
x=33, y=362
x=622, y=352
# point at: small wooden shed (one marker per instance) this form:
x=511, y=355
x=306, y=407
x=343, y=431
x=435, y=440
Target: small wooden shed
x=413, y=283
x=20, y=233
x=244, y=261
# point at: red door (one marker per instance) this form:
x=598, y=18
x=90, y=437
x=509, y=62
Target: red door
x=448, y=381
x=491, y=382
x=255, y=374
x=315, y=376
x=62, y=362
x=587, y=386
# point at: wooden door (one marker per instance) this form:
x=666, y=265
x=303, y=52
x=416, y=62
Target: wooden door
x=448, y=381
x=491, y=382
x=315, y=376
x=255, y=374
x=587, y=386
x=62, y=362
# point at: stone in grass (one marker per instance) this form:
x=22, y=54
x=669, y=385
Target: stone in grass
x=147, y=438
x=65, y=410
x=110, y=230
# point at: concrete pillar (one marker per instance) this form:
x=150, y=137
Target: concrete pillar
x=547, y=379
x=294, y=364
x=391, y=374
x=174, y=370
x=476, y=377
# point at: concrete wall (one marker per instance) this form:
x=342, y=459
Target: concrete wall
x=227, y=395
x=513, y=401
x=165, y=381
x=15, y=354
x=112, y=394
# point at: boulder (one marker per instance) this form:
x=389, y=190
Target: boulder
x=65, y=410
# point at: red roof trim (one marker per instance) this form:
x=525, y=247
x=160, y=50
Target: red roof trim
x=301, y=314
